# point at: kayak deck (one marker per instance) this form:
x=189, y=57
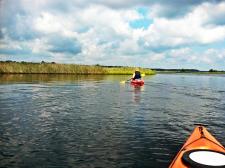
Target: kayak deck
x=200, y=139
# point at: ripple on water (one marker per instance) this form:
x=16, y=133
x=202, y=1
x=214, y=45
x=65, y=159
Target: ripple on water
x=98, y=123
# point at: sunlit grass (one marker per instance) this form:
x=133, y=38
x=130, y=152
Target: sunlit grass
x=52, y=68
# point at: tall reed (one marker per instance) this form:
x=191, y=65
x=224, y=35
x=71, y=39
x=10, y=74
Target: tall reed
x=52, y=68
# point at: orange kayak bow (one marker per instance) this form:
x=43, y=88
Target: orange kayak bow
x=200, y=150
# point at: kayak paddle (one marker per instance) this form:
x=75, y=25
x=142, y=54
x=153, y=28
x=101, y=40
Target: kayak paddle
x=142, y=75
x=125, y=81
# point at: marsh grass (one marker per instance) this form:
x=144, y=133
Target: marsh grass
x=52, y=68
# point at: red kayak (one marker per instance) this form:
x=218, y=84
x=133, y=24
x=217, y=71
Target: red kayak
x=137, y=82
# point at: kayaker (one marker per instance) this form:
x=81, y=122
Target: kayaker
x=136, y=75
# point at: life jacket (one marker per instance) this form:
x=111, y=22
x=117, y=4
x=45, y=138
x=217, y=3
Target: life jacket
x=137, y=75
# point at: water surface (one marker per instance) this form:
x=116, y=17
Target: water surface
x=94, y=121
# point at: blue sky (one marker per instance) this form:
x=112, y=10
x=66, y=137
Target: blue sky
x=147, y=33
x=144, y=21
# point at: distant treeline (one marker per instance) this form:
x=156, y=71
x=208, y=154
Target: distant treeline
x=186, y=70
x=176, y=70
x=214, y=70
x=13, y=67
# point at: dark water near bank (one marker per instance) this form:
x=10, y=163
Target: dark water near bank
x=94, y=121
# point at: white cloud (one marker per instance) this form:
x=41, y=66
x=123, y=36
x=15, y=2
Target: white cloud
x=48, y=23
x=190, y=29
x=180, y=52
x=157, y=57
x=102, y=29
x=38, y=45
x=214, y=55
x=100, y=17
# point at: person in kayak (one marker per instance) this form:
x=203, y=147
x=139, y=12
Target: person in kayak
x=136, y=75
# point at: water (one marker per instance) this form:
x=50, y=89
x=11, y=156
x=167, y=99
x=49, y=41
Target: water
x=94, y=121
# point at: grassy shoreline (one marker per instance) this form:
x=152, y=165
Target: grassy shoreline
x=53, y=68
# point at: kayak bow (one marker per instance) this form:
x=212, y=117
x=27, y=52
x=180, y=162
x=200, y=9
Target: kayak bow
x=200, y=150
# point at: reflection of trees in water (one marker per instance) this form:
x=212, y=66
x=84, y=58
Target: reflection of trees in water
x=11, y=78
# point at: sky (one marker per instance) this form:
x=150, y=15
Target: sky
x=143, y=33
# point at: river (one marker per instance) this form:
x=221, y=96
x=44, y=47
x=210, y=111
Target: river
x=96, y=122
